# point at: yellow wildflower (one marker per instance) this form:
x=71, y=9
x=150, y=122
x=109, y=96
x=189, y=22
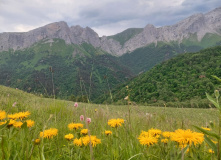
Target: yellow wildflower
x=84, y=131
x=115, y=122
x=69, y=136
x=1, y=123
x=166, y=134
x=144, y=134
x=17, y=124
x=2, y=115
x=147, y=140
x=20, y=115
x=155, y=132
x=108, y=133
x=50, y=133
x=78, y=142
x=185, y=137
x=30, y=123
x=75, y=126
x=94, y=140
x=11, y=122
x=37, y=141
x=211, y=151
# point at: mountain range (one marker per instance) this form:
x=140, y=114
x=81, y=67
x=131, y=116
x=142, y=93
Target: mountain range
x=198, y=24
x=76, y=62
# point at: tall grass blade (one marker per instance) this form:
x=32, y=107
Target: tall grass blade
x=135, y=156
x=213, y=101
x=217, y=78
x=209, y=133
x=211, y=144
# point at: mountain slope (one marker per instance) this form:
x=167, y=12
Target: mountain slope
x=74, y=69
x=182, y=78
x=126, y=35
x=144, y=58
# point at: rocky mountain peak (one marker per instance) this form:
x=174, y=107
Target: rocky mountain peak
x=198, y=24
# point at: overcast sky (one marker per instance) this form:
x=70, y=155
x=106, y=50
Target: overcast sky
x=106, y=17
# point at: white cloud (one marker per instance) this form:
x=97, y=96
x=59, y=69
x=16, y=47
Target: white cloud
x=23, y=28
x=105, y=16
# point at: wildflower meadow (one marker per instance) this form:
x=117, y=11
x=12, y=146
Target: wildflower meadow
x=39, y=128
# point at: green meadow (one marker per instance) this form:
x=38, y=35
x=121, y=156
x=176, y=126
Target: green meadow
x=122, y=144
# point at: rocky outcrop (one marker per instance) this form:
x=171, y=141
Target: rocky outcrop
x=23, y=40
x=198, y=24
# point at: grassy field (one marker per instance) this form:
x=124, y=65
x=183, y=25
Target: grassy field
x=122, y=144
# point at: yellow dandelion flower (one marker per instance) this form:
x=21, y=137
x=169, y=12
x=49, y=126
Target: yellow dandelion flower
x=115, y=122
x=108, y=133
x=84, y=131
x=78, y=142
x=94, y=140
x=166, y=134
x=17, y=124
x=184, y=137
x=13, y=116
x=69, y=136
x=144, y=134
x=207, y=129
x=23, y=115
x=11, y=122
x=75, y=126
x=30, y=123
x=2, y=115
x=37, y=141
x=155, y=132
x=165, y=141
x=211, y=151
x=49, y=133
x=1, y=123
x=20, y=115
x=148, y=140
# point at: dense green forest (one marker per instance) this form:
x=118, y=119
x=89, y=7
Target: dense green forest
x=183, y=78
x=74, y=71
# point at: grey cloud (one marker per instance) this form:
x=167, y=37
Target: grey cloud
x=101, y=15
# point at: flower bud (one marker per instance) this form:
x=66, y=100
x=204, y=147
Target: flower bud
x=76, y=105
x=88, y=120
x=217, y=93
x=82, y=118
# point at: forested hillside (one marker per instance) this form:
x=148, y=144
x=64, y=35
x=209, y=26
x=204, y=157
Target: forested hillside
x=185, y=77
x=70, y=70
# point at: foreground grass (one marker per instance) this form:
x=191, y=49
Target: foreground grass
x=122, y=144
